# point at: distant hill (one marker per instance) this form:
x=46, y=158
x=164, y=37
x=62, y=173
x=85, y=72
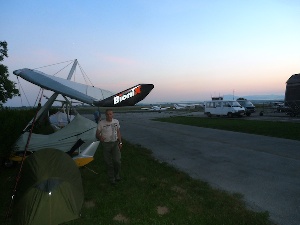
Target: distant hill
x=256, y=97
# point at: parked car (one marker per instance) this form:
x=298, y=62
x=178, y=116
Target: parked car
x=249, y=107
x=223, y=108
x=283, y=108
x=280, y=107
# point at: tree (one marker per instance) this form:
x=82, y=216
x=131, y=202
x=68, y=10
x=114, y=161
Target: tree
x=7, y=87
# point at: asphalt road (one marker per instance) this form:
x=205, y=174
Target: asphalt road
x=265, y=170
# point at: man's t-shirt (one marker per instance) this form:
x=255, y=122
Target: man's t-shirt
x=108, y=130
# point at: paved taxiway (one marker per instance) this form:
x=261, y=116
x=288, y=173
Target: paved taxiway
x=265, y=170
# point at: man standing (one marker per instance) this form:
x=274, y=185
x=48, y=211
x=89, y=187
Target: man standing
x=97, y=116
x=108, y=132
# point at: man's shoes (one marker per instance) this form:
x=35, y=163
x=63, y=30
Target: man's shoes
x=114, y=182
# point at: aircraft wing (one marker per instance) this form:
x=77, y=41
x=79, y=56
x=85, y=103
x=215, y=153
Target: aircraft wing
x=85, y=93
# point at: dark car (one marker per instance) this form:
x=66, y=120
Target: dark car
x=280, y=107
x=249, y=107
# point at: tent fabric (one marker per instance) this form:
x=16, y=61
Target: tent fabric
x=63, y=139
x=48, y=185
x=49, y=191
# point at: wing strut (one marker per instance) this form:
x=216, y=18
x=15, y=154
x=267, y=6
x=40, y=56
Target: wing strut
x=51, y=100
x=72, y=69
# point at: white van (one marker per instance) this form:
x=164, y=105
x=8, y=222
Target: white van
x=223, y=108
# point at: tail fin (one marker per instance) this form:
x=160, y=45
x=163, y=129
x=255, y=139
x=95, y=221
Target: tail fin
x=129, y=97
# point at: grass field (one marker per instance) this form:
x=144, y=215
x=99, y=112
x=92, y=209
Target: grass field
x=149, y=193
x=279, y=129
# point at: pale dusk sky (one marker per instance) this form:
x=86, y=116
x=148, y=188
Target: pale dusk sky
x=189, y=49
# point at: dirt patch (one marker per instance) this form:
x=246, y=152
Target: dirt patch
x=162, y=210
x=121, y=218
x=89, y=204
x=143, y=179
x=178, y=190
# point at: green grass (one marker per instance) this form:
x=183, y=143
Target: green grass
x=279, y=129
x=148, y=186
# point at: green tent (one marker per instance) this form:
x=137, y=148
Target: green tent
x=49, y=191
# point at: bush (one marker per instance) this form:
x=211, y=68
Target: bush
x=13, y=122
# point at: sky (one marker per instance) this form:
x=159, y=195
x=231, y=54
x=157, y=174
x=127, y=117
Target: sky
x=190, y=50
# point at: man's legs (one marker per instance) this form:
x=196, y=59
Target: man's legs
x=116, y=157
x=112, y=157
x=107, y=153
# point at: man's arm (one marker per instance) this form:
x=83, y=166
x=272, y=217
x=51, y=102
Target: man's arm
x=119, y=138
x=98, y=135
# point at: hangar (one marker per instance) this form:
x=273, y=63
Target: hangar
x=292, y=94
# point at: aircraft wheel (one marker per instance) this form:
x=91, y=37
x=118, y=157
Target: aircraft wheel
x=229, y=114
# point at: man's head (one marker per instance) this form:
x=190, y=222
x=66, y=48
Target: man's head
x=109, y=115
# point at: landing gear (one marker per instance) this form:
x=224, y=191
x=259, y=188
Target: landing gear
x=208, y=114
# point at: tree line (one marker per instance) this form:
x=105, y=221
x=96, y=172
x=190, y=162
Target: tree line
x=7, y=87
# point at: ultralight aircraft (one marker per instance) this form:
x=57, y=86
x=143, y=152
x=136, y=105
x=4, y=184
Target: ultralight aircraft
x=77, y=138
